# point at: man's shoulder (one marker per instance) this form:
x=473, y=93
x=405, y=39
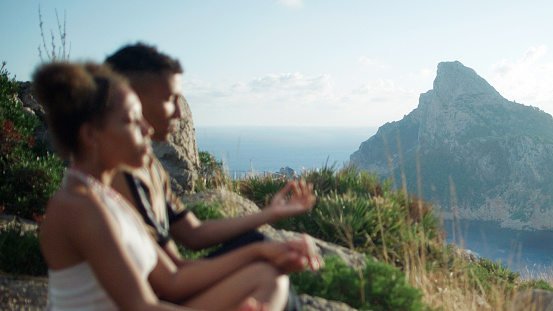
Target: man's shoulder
x=151, y=170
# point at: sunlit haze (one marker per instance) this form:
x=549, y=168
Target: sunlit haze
x=303, y=62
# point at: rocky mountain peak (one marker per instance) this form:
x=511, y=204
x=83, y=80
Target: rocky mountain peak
x=497, y=155
x=454, y=79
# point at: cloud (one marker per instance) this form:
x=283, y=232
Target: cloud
x=533, y=54
x=290, y=82
x=371, y=63
x=296, y=4
x=528, y=80
x=296, y=99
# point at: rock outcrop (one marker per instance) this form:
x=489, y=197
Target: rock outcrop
x=532, y=300
x=179, y=155
x=287, y=172
x=30, y=104
x=477, y=155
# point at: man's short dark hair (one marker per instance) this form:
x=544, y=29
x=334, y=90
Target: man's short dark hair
x=142, y=58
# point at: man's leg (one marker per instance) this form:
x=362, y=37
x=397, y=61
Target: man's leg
x=294, y=302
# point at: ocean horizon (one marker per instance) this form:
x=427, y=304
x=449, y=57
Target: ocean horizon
x=244, y=149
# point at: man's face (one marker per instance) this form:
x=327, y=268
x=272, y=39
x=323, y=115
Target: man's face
x=159, y=94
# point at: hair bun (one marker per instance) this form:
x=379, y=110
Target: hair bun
x=63, y=84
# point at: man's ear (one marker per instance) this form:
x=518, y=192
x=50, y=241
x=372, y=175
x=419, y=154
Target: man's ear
x=88, y=136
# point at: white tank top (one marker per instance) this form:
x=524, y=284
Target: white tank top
x=76, y=287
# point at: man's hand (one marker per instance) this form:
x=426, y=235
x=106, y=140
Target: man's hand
x=307, y=248
x=294, y=255
x=301, y=200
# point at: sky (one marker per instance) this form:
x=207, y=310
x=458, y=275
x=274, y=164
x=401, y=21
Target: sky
x=301, y=62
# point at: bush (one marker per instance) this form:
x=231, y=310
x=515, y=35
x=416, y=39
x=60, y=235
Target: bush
x=20, y=251
x=536, y=284
x=355, y=210
x=378, y=286
x=29, y=175
x=210, y=173
x=489, y=276
x=261, y=189
x=204, y=212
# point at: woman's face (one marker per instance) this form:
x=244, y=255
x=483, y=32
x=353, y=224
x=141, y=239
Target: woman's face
x=124, y=139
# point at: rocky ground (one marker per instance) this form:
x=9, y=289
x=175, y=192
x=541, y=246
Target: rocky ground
x=18, y=292
x=22, y=292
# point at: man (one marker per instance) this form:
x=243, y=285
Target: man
x=156, y=78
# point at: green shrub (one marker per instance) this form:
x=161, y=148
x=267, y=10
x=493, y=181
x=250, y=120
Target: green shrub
x=355, y=210
x=210, y=173
x=381, y=287
x=28, y=174
x=261, y=189
x=536, y=284
x=206, y=211
x=489, y=275
x=347, y=180
x=192, y=255
x=20, y=251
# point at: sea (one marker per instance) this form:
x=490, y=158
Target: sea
x=247, y=150
x=528, y=252
x=268, y=149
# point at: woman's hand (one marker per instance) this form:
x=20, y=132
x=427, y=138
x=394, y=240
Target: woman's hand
x=301, y=200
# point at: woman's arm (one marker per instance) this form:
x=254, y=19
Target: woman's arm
x=96, y=238
x=179, y=283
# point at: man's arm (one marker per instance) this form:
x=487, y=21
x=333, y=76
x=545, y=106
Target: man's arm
x=195, y=234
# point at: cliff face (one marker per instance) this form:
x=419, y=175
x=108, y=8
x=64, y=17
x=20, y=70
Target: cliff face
x=473, y=152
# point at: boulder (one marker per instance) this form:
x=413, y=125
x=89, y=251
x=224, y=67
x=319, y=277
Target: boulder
x=287, y=172
x=31, y=105
x=533, y=300
x=179, y=154
x=311, y=303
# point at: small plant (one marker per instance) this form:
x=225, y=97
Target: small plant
x=211, y=173
x=381, y=286
x=20, y=251
x=193, y=255
x=261, y=189
x=536, y=284
x=54, y=53
x=493, y=278
x=206, y=211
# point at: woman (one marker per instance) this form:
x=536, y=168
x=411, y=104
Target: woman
x=99, y=254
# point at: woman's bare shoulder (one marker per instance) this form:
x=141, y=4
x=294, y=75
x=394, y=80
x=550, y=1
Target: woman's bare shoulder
x=77, y=208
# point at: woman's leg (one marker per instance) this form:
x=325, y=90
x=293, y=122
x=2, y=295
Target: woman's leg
x=260, y=281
